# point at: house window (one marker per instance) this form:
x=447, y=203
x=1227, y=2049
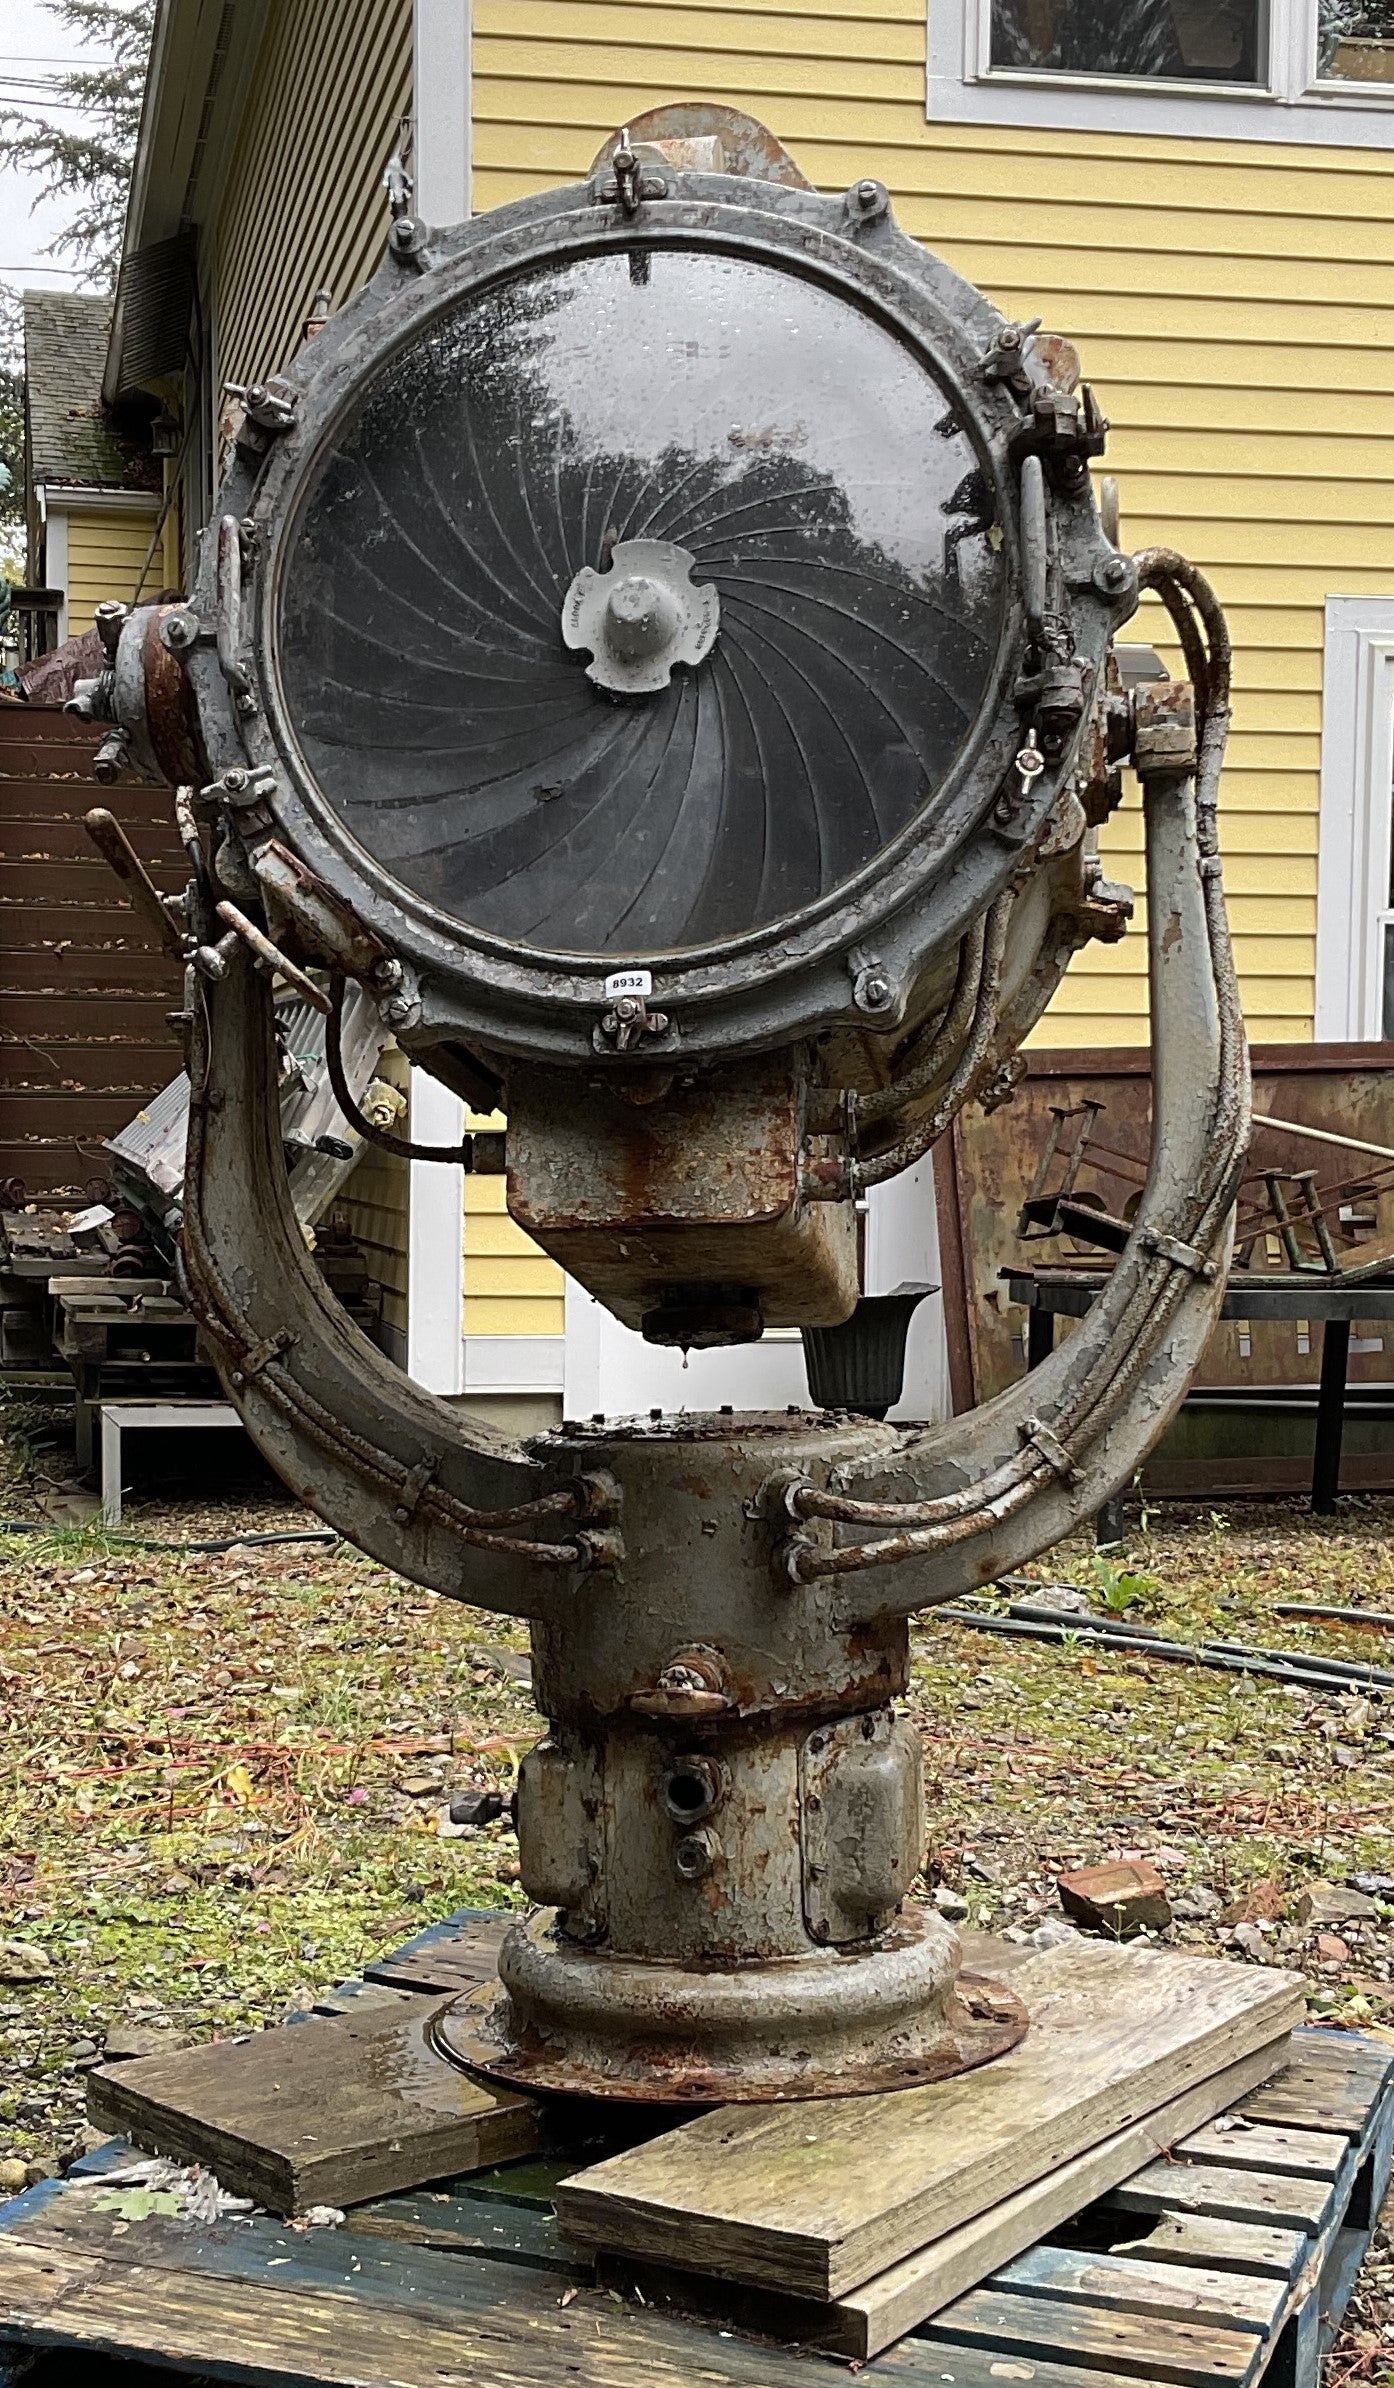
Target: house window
x=1355, y=41
x=1257, y=70
x=1178, y=41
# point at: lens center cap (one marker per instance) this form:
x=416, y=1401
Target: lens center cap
x=641, y=617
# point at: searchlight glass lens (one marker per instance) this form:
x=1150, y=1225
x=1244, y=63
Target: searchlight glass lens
x=818, y=475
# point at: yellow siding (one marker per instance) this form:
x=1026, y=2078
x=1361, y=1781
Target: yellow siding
x=304, y=207
x=375, y=1201
x=511, y=1288
x=1234, y=303
x=105, y=554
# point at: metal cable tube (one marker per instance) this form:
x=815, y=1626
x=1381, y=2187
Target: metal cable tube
x=1141, y=1301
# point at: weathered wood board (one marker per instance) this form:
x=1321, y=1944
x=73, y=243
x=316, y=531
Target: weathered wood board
x=818, y=2198
x=1229, y=2194
x=256, y=2305
x=455, y=1955
x=327, y=2111
x=467, y=2285
x=877, y=2314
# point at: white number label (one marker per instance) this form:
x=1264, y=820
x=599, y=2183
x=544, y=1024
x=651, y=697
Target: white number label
x=628, y=982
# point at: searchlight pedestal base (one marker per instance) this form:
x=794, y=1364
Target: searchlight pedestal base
x=725, y=1819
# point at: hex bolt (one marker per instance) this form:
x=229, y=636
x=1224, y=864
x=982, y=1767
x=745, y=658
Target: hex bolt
x=871, y=989
x=867, y=193
x=178, y=631
x=1113, y=575
x=696, y=1854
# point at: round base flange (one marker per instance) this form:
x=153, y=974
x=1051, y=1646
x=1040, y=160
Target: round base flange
x=579, y=2023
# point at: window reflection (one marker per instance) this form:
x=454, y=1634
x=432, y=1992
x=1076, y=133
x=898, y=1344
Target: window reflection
x=1193, y=41
x=1355, y=41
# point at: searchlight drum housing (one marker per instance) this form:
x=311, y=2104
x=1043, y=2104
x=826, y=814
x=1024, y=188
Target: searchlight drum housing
x=657, y=641
x=808, y=430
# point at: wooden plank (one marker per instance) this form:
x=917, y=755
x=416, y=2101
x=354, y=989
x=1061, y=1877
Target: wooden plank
x=332, y=2309
x=1155, y=2346
x=817, y=2198
x=1345, y=2050
x=455, y=1955
x=878, y=2313
x=453, y=2218
x=1335, y=2081
x=1301, y=2100
x=358, y=1998
x=1230, y=2194
x=306, y=2339
x=1344, y=2258
x=1312, y=2155
x=1215, y=2245
x=1133, y=2284
x=328, y=2111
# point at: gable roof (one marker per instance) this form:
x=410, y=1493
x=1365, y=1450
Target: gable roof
x=71, y=441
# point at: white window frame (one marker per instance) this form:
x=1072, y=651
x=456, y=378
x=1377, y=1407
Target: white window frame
x=436, y=1190
x=1357, y=778
x=964, y=88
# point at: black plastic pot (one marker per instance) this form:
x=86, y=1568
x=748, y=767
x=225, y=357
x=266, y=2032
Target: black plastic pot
x=861, y=1364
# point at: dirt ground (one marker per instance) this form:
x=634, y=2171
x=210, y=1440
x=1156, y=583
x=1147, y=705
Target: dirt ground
x=224, y=1775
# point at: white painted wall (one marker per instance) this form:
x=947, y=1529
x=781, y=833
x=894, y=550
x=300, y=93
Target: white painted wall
x=56, y=561
x=1354, y=846
x=442, y=126
x=436, y=1201
x=610, y=1370
x=436, y=1242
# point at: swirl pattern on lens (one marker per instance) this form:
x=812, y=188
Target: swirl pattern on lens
x=813, y=468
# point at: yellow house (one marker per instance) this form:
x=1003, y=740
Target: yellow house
x=1211, y=220
x=93, y=489
x=1199, y=193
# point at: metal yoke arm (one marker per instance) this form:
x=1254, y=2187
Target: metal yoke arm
x=964, y=1502
x=439, y=1496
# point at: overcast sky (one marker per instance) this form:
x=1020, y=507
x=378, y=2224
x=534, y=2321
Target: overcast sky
x=34, y=42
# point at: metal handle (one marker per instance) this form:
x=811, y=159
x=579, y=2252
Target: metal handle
x=273, y=957
x=115, y=848
x=228, y=593
x=1034, y=554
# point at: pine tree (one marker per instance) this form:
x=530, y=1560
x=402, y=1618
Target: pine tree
x=11, y=439
x=92, y=165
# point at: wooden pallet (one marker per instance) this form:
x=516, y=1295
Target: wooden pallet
x=1225, y=2265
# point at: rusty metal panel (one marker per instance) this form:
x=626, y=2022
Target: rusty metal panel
x=985, y=1171
x=83, y=991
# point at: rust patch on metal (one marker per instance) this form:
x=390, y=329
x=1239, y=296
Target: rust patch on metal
x=986, y=2019
x=170, y=714
x=746, y=146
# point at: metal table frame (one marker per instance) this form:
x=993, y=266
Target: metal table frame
x=159, y=1416
x=1069, y=1293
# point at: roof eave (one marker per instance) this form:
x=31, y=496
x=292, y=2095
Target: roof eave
x=183, y=58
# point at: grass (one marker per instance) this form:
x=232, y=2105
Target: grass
x=215, y=1775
